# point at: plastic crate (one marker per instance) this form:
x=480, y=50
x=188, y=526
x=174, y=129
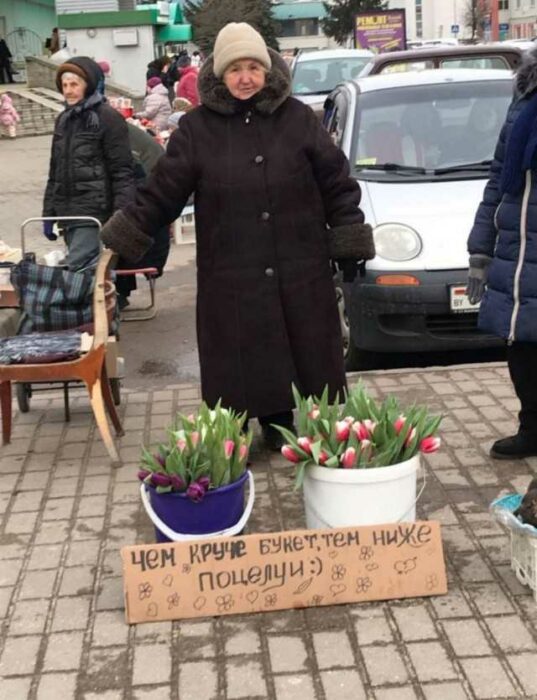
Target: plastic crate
x=523, y=540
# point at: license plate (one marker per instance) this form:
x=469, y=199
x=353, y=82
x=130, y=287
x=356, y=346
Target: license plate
x=459, y=302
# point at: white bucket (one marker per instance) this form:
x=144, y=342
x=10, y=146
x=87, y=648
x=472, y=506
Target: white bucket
x=347, y=497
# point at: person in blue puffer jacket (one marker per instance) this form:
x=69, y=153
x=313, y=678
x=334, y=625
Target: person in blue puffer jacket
x=503, y=255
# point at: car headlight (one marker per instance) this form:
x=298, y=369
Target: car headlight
x=397, y=242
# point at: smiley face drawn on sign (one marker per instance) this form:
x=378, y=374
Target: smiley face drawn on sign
x=405, y=566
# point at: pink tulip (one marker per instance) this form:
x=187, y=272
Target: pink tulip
x=305, y=444
x=195, y=437
x=229, y=446
x=364, y=445
x=243, y=452
x=181, y=444
x=399, y=424
x=348, y=458
x=370, y=426
x=361, y=431
x=411, y=435
x=342, y=431
x=430, y=444
x=323, y=456
x=314, y=413
x=290, y=454
x=349, y=420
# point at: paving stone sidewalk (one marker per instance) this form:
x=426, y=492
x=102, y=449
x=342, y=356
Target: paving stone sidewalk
x=66, y=513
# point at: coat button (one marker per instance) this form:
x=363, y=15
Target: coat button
x=258, y=159
x=265, y=216
x=269, y=272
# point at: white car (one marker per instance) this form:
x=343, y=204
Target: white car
x=316, y=73
x=420, y=145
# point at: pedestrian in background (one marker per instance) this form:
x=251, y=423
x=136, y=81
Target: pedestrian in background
x=268, y=182
x=9, y=117
x=6, y=71
x=503, y=255
x=187, y=86
x=91, y=167
x=156, y=107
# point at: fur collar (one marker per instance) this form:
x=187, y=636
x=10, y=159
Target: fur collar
x=526, y=77
x=215, y=95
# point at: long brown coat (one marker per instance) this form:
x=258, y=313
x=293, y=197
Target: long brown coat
x=267, y=182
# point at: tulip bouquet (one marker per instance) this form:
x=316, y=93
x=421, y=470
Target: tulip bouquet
x=357, y=434
x=202, y=452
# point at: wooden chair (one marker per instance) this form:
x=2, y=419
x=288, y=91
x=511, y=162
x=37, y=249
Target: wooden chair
x=90, y=368
x=144, y=313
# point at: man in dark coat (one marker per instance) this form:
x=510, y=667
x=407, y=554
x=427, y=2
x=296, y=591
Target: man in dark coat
x=503, y=255
x=6, y=72
x=91, y=168
x=267, y=181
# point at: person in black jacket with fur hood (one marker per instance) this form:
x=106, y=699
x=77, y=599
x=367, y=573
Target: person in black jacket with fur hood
x=91, y=167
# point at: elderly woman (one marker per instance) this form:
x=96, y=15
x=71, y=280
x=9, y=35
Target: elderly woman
x=268, y=183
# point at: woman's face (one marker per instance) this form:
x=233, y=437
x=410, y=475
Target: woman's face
x=244, y=78
x=73, y=89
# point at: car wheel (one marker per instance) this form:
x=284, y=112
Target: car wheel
x=354, y=358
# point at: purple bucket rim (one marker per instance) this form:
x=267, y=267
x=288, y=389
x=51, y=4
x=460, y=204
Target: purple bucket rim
x=210, y=492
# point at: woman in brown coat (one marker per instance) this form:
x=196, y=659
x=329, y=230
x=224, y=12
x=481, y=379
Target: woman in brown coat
x=273, y=203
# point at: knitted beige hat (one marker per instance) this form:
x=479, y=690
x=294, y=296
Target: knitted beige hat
x=238, y=40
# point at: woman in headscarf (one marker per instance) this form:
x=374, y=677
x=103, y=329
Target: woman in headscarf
x=273, y=203
x=91, y=168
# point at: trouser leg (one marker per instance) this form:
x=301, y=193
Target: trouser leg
x=284, y=418
x=82, y=242
x=522, y=363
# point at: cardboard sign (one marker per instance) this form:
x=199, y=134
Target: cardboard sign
x=281, y=570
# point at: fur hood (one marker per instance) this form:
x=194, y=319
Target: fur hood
x=526, y=77
x=215, y=95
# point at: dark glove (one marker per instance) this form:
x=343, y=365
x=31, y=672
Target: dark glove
x=47, y=230
x=349, y=268
x=477, y=276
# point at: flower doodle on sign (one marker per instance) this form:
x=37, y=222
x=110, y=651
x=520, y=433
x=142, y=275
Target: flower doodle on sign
x=173, y=600
x=405, y=566
x=431, y=582
x=363, y=584
x=338, y=572
x=144, y=590
x=366, y=553
x=225, y=602
x=186, y=569
x=270, y=600
x=316, y=600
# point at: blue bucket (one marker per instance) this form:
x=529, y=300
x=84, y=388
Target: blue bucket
x=219, y=509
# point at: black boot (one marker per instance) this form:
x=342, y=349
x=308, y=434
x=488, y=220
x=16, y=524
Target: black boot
x=515, y=447
x=273, y=439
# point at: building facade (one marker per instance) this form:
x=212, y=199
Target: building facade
x=25, y=25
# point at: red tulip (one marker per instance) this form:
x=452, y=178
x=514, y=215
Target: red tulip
x=370, y=426
x=290, y=455
x=348, y=458
x=430, y=444
x=342, y=431
x=305, y=444
x=323, y=456
x=229, y=446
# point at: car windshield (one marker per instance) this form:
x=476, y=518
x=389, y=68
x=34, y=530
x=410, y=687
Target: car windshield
x=429, y=128
x=322, y=75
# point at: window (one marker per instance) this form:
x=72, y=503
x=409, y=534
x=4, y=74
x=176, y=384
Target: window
x=503, y=4
x=494, y=62
x=299, y=27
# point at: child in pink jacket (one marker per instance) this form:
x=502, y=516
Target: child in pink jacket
x=8, y=116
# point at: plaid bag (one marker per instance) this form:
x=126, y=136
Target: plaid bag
x=52, y=298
